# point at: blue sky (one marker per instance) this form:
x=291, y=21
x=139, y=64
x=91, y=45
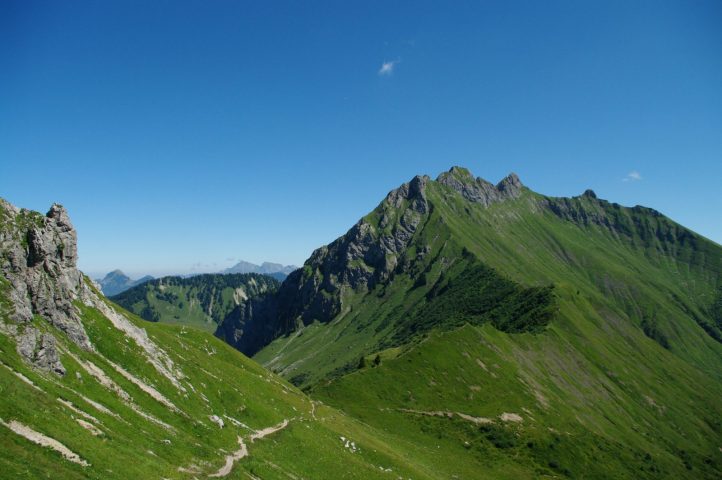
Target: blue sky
x=184, y=135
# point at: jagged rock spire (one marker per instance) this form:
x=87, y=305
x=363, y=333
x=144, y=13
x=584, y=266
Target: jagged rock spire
x=39, y=259
x=479, y=190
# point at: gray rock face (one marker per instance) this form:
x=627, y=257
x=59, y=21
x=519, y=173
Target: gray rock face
x=250, y=324
x=479, y=190
x=365, y=256
x=40, y=350
x=39, y=258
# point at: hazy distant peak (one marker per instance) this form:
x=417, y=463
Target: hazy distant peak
x=267, y=268
x=116, y=282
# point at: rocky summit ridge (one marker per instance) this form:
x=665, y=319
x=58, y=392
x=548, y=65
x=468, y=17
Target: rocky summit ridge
x=479, y=190
x=39, y=258
x=367, y=255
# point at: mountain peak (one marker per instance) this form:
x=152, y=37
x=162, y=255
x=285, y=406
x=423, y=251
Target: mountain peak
x=116, y=273
x=116, y=282
x=58, y=212
x=414, y=191
x=510, y=184
x=417, y=186
x=460, y=172
x=479, y=190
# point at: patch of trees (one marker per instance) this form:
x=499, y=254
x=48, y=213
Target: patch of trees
x=149, y=313
x=651, y=330
x=477, y=295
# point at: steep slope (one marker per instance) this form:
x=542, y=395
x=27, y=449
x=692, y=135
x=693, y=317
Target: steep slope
x=202, y=301
x=430, y=241
x=92, y=391
x=116, y=282
x=595, y=324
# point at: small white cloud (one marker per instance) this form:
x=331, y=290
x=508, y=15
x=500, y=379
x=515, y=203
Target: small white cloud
x=632, y=176
x=387, y=68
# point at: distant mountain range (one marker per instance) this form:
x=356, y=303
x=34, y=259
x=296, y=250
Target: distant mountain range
x=276, y=270
x=116, y=282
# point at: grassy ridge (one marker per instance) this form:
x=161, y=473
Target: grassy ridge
x=623, y=382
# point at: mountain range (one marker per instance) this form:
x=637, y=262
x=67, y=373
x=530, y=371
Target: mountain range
x=461, y=329
x=276, y=270
x=116, y=282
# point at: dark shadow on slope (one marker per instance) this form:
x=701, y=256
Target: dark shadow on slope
x=478, y=295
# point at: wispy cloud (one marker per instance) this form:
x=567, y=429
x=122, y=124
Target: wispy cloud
x=387, y=68
x=632, y=176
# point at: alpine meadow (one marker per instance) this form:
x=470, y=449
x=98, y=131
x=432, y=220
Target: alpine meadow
x=503, y=326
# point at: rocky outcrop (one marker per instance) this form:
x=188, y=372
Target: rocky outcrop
x=478, y=190
x=366, y=255
x=39, y=349
x=251, y=324
x=38, y=260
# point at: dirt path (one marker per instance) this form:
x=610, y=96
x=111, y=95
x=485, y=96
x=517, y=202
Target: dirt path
x=243, y=450
x=313, y=410
x=231, y=459
x=463, y=416
x=267, y=431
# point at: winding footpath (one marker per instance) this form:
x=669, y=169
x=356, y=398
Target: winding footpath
x=243, y=449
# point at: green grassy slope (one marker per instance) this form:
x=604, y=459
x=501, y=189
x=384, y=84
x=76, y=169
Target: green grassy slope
x=664, y=285
x=142, y=437
x=620, y=373
x=202, y=301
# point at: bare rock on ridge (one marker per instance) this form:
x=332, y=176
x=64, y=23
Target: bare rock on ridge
x=479, y=190
x=39, y=260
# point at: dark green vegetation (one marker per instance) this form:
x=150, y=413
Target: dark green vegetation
x=202, y=301
x=477, y=294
